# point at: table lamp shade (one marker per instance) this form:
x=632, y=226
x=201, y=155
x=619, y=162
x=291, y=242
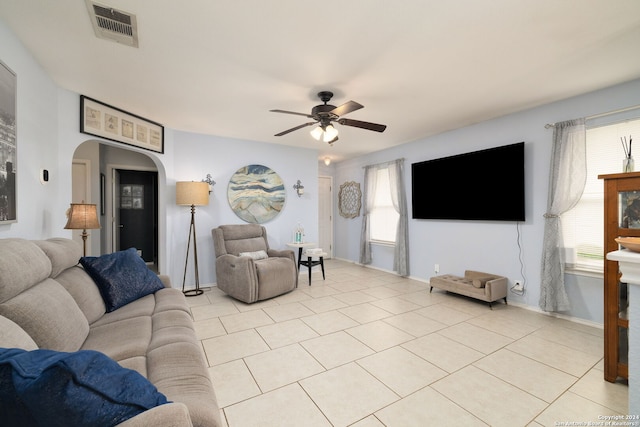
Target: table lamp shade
x=82, y=216
x=190, y=193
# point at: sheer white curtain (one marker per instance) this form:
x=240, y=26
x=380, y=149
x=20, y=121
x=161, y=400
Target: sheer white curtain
x=567, y=178
x=399, y=200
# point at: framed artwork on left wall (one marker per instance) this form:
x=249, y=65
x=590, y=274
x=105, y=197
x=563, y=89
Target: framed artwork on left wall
x=8, y=145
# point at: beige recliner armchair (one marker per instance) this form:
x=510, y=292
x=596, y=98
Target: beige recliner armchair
x=246, y=268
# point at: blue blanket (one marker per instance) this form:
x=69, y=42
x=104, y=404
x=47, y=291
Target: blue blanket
x=84, y=388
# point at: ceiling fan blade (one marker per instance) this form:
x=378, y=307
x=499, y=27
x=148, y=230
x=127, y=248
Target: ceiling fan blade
x=364, y=125
x=346, y=108
x=291, y=112
x=295, y=128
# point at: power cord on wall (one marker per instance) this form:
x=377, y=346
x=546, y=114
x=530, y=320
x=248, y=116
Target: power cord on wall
x=519, y=288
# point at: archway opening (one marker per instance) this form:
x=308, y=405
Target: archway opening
x=108, y=175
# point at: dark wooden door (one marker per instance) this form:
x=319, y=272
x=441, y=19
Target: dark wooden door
x=138, y=213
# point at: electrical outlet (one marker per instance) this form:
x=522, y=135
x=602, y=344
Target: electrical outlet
x=436, y=268
x=518, y=286
x=139, y=251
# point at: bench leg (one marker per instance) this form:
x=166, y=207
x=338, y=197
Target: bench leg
x=322, y=266
x=309, y=267
x=430, y=289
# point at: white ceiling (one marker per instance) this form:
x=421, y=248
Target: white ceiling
x=421, y=67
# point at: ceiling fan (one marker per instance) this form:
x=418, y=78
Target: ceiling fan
x=325, y=114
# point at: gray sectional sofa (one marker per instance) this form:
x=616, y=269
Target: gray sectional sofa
x=48, y=301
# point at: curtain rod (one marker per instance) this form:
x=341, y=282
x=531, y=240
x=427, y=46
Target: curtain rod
x=595, y=116
x=383, y=163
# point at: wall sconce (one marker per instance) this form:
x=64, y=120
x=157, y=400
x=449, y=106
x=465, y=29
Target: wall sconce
x=299, y=188
x=209, y=181
x=327, y=161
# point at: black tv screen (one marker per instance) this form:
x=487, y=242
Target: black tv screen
x=483, y=185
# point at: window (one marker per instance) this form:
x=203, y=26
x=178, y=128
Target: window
x=383, y=218
x=583, y=226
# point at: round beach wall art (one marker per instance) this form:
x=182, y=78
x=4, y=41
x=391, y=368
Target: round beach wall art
x=256, y=194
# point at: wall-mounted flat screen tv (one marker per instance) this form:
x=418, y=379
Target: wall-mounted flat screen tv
x=485, y=185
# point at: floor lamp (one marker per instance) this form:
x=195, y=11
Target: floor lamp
x=82, y=216
x=192, y=193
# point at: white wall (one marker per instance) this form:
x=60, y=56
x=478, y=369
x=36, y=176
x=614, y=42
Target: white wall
x=488, y=246
x=37, y=114
x=199, y=155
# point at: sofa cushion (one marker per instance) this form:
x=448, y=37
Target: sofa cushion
x=50, y=315
x=63, y=253
x=177, y=370
x=236, y=238
x=84, y=291
x=14, y=336
x=44, y=387
x=122, y=277
x=121, y=340
x=170, y=327
x=23, y=264
x=142, y=307
x=235, y=247
x=241, y=231
x=273, y=278
x=170, y=299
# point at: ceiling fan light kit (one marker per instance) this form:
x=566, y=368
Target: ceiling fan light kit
x=330, y=133
x=326, y=114
x=316, y=133
x=327, y=133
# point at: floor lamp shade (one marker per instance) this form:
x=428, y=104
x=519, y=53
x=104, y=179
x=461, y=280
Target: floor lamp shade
x=192, y=193
x=82, y=216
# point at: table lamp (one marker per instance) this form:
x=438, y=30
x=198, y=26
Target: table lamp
x=82, y=216
x=192, y=193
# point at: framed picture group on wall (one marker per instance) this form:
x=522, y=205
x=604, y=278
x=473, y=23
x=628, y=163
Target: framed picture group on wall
x=99, y=119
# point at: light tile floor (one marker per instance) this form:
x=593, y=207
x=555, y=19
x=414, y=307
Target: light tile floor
x=367, y=348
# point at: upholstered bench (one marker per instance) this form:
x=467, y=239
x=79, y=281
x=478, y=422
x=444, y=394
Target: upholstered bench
x=475, y=284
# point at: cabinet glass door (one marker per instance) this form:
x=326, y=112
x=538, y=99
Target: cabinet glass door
x=629, y=211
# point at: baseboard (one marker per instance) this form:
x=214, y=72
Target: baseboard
x=558, y=315
x=515, y=304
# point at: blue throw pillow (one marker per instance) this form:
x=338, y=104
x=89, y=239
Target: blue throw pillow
x=122, y=277
x=84, y=388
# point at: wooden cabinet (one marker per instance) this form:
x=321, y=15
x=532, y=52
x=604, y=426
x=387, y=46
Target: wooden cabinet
x=620, y=220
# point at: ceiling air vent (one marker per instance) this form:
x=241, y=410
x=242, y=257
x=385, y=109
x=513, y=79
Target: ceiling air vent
x=112, y=24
